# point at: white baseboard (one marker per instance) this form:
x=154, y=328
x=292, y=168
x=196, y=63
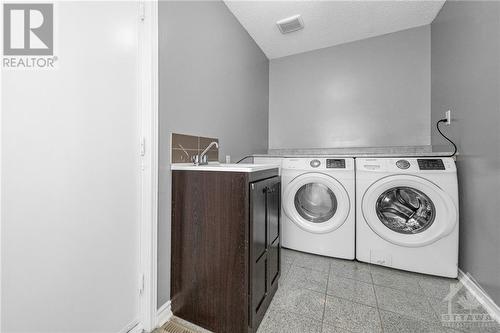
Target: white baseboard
x=133, y=327
x=164, y=314
x=475, y=289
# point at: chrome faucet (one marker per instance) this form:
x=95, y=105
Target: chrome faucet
x=202, y=159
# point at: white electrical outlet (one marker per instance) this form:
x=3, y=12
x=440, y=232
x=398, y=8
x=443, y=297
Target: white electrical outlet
x=448, y=117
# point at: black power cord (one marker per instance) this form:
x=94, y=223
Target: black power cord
x=244, y=158
x=444, y=136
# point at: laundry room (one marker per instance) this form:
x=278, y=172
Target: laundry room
x=250, y=166
x=369, y=109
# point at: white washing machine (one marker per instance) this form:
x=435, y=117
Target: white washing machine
x=407, y=214
x=318, y=206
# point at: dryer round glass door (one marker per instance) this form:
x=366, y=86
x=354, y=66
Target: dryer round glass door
x=408, y=210
x=316, y=202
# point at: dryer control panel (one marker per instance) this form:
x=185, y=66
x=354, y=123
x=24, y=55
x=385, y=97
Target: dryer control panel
x=332, y=163
x=327, y=164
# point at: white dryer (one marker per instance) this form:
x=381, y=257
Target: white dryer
x=318, y=206
x=407, y=214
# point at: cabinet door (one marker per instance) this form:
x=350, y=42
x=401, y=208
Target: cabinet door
x=273, y=221
x=258, y=197
x=273, y=209
x=273, y=262
x=259, y=284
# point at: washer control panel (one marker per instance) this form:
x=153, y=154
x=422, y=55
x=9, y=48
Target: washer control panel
x=332, y=163
x=315, y=163
x=430, y=164
x=403, y=164
x=407, y=165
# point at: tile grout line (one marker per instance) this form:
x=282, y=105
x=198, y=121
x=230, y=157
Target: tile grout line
x=433, y=322
x=423, y=296
x=326, y=293
x=429, y=303
x=410, y=317
x=350, y=278
x=353, y=301
x=324, y=307
x=376, y=302
x=436, y=311
x=402, y=290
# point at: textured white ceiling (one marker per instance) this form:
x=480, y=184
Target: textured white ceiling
x=328, y=23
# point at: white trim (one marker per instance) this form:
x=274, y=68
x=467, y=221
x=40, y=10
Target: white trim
x=148, y=103
x=133, y=327
x=164, y=314
x=475, y=289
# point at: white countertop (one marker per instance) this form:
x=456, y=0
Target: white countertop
x=365, y=155
x=395, y=151
x=243, y=167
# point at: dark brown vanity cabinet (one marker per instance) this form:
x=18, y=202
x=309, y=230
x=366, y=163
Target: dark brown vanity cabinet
x=225, y=247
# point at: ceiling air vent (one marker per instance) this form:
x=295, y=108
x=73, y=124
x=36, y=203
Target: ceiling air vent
x=290, y=24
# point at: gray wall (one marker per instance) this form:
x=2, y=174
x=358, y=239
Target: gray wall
x=214, y=83
x=466, y=79
x=374, y=92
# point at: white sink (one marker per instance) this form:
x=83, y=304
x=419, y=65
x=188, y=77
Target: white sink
x=223, y=167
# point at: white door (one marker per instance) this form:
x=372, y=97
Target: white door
x=70, y=177
x=316, y=202
x=408, y=210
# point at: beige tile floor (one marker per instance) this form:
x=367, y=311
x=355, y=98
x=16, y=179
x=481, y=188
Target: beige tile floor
x=324, y=295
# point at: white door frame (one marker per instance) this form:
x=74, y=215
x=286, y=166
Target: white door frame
x=148, y=104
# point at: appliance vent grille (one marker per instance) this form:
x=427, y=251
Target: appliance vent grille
x=290, y=24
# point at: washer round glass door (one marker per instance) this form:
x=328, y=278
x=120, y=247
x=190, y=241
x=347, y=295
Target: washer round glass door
x=316, y=202
x=405, y=210
x=408, y=210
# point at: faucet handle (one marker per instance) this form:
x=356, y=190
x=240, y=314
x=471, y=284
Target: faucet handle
x=195, y=159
